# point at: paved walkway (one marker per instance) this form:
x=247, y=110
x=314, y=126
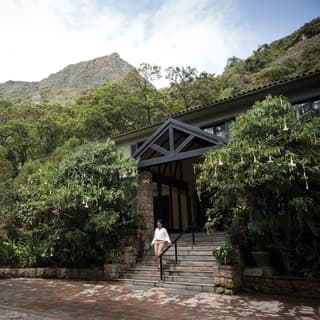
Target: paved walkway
x=35, y=299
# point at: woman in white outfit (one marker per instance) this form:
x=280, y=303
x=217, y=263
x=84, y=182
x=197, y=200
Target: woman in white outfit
x=160, y=238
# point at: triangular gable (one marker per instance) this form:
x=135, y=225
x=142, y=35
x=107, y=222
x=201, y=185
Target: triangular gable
x=176, y=140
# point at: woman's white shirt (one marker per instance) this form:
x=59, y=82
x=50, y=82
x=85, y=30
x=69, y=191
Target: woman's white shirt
x=160, y=234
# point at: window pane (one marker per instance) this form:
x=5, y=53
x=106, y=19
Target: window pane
x=209, y=130
x=304, y=107
x=316, y=107
x=220, y=130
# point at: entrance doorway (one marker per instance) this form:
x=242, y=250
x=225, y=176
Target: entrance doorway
x=171, y=203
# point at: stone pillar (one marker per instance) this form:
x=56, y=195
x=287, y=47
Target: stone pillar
x=111, y=271
x=226, y=278
x=145, y=204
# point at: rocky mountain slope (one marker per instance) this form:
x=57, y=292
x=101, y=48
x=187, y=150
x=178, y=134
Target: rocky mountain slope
x=68, y=84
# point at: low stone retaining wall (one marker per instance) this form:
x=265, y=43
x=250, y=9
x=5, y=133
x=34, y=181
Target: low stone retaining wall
x=227, y=279
x=53, y=273
x=283, y=285
x=109, y=272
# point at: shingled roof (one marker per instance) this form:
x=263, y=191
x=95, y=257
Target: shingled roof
x=228, y=99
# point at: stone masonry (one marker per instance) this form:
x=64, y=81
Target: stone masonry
x=145, y=204
x=226, y=278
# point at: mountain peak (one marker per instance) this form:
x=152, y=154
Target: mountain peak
x=69, y=83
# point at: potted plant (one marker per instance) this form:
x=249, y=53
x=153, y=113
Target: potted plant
x=224, y=255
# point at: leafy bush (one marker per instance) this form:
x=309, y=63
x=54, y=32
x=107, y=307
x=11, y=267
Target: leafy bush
x=266, y=184
x=74, y=212
x=224, y=254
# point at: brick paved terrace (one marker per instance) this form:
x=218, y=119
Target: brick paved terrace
x=35, y=299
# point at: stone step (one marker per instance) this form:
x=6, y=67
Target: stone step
x=145, y=283
x=184, y=279
x=194, y=270
x=141, y=276
x=181, y=259
x=183, y=254
x=208, y=244
x=203, y=242
x=198, y=238
x=189, y=286
x=188, y=273
x=197, y=287
x=198, y=241
x=183, y=273
x=208, y=257
x=190, y=251
x=198, y=235
x=180, y=263
x=172, y=269
x=190, y=248
x=138, y=268
x=168, y=278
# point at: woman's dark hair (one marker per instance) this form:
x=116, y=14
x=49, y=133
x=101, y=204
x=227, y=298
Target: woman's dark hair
x=160, y=221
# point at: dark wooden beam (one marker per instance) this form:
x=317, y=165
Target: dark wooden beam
x=179, y=209
x=179, y=197
x=184, y=143
x=171, y=197
x=171, y=139
x=159, y=149
x=175, y=156
x=169, y=126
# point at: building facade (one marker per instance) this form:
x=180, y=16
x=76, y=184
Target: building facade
x=168, y=151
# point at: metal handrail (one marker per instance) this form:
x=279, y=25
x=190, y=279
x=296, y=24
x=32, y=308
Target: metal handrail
x=175, y=250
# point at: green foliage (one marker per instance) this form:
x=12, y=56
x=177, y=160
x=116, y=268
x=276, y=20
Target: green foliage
x=224, y=254
x=114, y=256
x=51, y=132
x=5, y=165
x=30, y=167
x=74, y=211
x=265, y=183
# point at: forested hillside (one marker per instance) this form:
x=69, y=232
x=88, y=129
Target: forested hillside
x=33, y=131
x=47, y=176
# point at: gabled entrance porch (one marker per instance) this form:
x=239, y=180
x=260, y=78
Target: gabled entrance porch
x=167, y=179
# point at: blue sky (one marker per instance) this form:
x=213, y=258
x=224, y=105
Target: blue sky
x=274, y=19
x=39, y=37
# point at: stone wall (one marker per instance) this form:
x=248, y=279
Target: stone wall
x=93, y=274
x=108, y=272
x=283, y=286
x=145, y=205
x=226, y=278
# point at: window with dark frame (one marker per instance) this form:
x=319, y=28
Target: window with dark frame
x=221, y=129
x=310, y=106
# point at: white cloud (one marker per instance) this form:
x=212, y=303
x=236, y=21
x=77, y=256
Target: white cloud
x=39, y=37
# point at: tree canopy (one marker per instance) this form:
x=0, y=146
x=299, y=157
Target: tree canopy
x=73, y=212
x=264, y=186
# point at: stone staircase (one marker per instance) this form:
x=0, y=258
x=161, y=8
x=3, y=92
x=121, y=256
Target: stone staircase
x=194, y=270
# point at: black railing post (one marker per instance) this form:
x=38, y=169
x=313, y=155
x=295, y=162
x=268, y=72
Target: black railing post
x=193, y=238
x=165, y=250
x=176, y=251
x=161, y=270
